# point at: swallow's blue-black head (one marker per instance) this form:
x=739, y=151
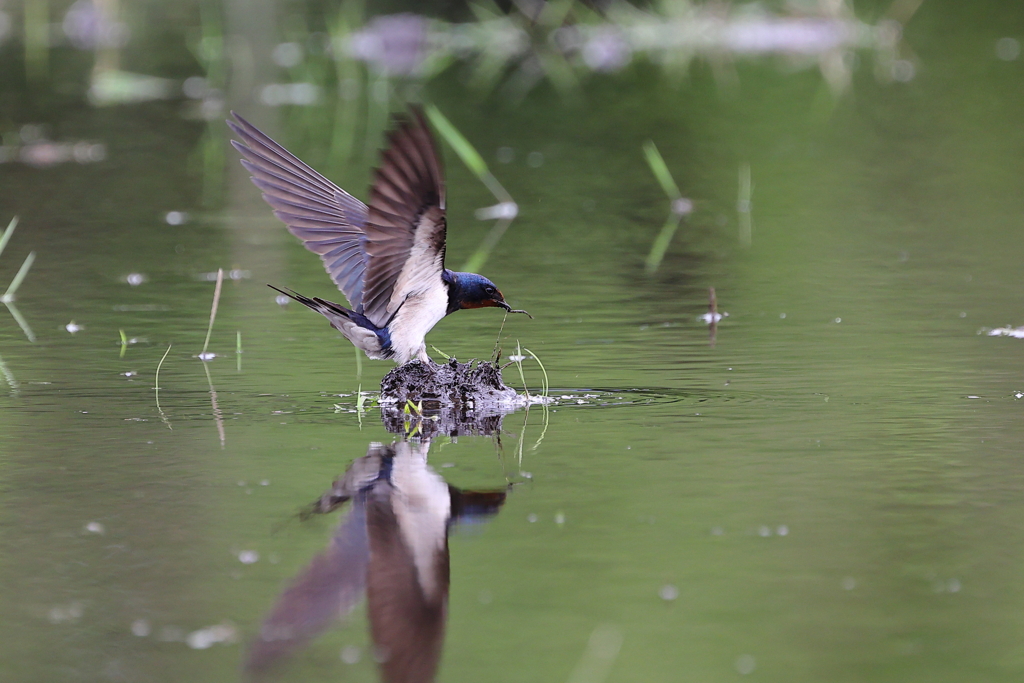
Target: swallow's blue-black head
x=470, y=290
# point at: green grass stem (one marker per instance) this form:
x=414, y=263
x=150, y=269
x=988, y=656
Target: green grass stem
x=506, y=208
x=213, y=308
x=547, y=385
x=7, y=234
x=519, y=364
x=459, y=143
x=660, y=170
x=156, y=387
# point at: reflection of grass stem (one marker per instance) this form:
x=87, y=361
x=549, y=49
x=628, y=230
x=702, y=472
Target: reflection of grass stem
x=124, y=343
x=16, y=282
x=157, y=387
x=506, y=209
x=668, y=185
x=9, y=378
x=238, y=350
x=743, y=206
x=662, y=241
x=213, y=310
x=360, y=402
x=218, y=418
x=22, y=323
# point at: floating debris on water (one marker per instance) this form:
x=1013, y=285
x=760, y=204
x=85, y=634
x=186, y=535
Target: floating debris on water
x=74, y=327
x=1015, y=332
x=95, y=528
x=709, y=318
x=204, y=638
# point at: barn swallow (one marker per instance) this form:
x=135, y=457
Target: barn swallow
x=386, y=258
x=392, y=546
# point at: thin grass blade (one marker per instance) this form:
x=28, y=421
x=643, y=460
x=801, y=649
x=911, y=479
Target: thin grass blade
x=213, y=310
x=7, y=234
x=660, y=170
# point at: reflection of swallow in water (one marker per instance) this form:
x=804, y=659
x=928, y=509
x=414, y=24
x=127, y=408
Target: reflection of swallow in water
x=388, y=257
x=393, y=545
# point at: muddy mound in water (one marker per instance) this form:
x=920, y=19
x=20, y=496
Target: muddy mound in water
x=472, y=385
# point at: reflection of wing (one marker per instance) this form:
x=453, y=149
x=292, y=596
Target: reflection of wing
x=326, y=590
x=406, y=226
x=327, y=219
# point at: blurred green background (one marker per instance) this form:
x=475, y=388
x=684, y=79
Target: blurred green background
x=829, y=491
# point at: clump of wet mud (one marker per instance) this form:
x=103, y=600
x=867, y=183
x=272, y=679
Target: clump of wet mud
x=470, y=386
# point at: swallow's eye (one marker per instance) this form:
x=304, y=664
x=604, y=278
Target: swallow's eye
x=490, y=291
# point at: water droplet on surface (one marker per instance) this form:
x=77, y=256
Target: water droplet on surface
x=782, y=530
x=745, y=664
x=140, y=628
x=531, y=518
x=351, y=654
x=1007, y=49
x=248, y=557
x=903, y=70
x=95, y=528
x=535, y=159
x=506, y=155
x=848, y=583
x=176, y=218
x=668, y=592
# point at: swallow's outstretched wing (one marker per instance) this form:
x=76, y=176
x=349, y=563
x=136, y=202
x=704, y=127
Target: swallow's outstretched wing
x=377, y=255
x=406, y=226
x=328, y=220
